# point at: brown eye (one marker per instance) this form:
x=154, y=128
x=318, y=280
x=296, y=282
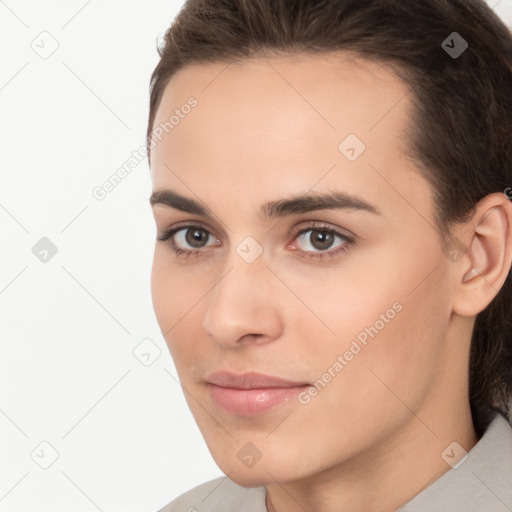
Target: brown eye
x=188, y=239
x=320, y=239
x=196, y=237
x=319, y=242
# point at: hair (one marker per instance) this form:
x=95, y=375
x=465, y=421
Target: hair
x=461, y=107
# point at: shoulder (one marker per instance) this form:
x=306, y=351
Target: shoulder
x=219, y=495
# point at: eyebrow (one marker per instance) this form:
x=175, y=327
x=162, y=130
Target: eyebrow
x=272, y=209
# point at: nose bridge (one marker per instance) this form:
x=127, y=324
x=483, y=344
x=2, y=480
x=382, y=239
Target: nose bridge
x=241, y=302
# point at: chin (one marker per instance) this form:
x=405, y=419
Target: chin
x=248, y=479
x=264, y=472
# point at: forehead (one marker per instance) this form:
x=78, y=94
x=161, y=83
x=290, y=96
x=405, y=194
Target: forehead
x=281, y=122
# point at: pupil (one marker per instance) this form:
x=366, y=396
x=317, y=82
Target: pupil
x=195, y=237
x=321, y=239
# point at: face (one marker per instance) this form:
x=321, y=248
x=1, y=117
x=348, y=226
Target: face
x=306, y=252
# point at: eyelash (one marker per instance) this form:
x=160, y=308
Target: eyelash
x=168, y=235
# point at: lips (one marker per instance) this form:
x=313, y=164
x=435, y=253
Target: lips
x=250, y=380
x=251, y=393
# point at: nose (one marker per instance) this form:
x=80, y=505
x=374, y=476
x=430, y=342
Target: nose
x=243, y=307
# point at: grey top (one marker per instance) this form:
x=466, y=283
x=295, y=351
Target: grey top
x=480, y=483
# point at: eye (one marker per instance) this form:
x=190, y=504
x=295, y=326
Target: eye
x=196, y=237
x=188, y=240
x=315, y=241
x=318, y=239
x=321, y=241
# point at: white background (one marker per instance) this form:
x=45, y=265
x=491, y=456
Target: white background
x=69, y=378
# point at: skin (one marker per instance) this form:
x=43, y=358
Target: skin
x=269, y=129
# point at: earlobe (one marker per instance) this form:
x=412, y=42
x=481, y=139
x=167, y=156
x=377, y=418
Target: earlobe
x=489, y=251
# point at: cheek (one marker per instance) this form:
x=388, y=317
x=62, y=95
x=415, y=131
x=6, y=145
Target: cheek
x=361, y=301
x=388, y=360
x=174, y=288
x=177, y=294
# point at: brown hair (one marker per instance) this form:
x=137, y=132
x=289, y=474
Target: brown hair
x=461, y=134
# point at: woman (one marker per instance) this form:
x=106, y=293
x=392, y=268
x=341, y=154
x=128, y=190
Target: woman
x=331, y=189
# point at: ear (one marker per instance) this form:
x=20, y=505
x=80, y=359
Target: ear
x=487, y=262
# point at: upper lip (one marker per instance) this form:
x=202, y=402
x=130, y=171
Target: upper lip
x=250, y=380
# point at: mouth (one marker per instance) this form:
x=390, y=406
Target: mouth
x=251, y=393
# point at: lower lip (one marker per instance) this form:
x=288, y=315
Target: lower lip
x=250, y=402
